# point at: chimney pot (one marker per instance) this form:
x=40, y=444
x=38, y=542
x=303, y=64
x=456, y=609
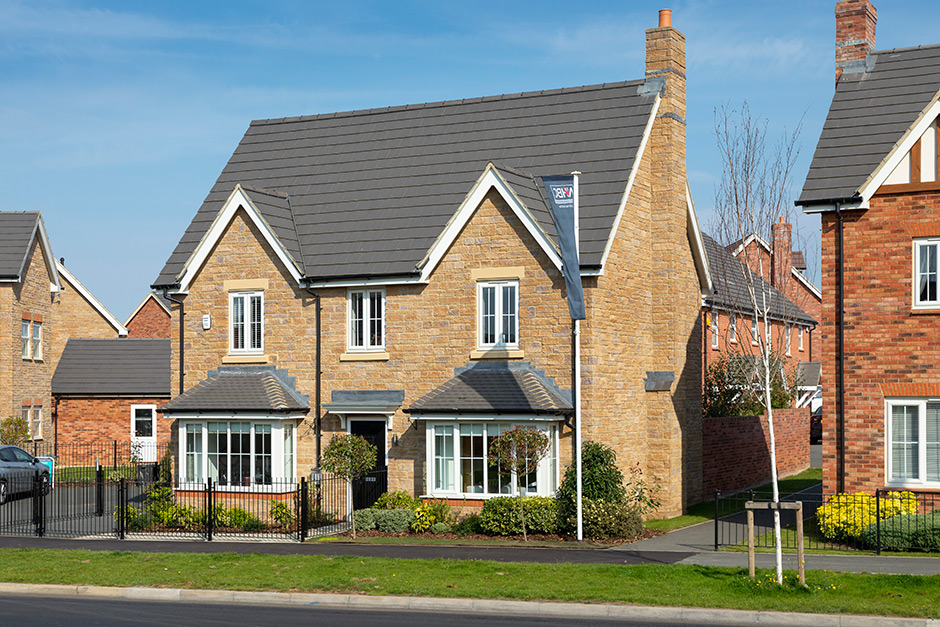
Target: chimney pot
x=665, y=18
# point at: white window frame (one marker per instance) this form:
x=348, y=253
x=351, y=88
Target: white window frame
x=367, y=345
x=788, y=336
x=800, y=338
x=733, y=328
x=547, y=473
x=279, y=479
x=35, y=421
x=246, y=297
x=25, y=327
x=918, y=245
x=755, y=330
x=36, y=340
x=714, y=326
x=921, y=480
x=498, y=310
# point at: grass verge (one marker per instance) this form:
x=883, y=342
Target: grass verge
x=649, y=584
x=706, y=511
x=413, y=540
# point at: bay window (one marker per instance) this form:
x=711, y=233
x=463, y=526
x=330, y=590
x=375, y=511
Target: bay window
x=913, y=442
x=459, y=464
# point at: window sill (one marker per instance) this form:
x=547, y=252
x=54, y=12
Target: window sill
x=926, y=310
x=364, y=356
x=497, y=353
x=246, y=359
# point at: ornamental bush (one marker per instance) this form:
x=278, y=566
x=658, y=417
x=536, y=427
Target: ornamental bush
x=906, y=532
x=440, y=527
x=396, y=500
x=365, y=519
x=500, y=515
x=425, y=517
x=846, y=516
x=280, y=512
x=469, y=525
x=393, y=520
x=610, y=520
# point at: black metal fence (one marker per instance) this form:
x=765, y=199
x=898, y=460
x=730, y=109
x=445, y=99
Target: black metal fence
x=884, y=521
x=132, y=499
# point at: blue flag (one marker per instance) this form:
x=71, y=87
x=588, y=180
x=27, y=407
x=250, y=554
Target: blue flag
x=561, y=198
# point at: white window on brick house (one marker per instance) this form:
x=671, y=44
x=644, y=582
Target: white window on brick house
x=33, y=418
x=787, y=337
x=800, y=337
x=24, y=337
x=733, y=328
x=913, y=442
x=498, y=314
x=754, y=330
x=246, y=322
x=366, y=320
x=37, y=340
x=714, y=326
x=926, y=294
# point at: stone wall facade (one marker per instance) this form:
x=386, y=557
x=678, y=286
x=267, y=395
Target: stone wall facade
x=739, y=449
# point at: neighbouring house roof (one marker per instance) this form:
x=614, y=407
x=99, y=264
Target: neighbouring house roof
x=495, y=387
x=731, y=286
x=368, y=193
x=113, y=367
x=254, y=389
x=874, y=105
x=797, y=260
x=809, y=373
x=18, y=229
x=96, y=304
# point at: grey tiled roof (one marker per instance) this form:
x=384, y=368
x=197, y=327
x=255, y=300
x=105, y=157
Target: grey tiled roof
x=495, y=387
x=16, y=235
x=370, y=191
x=731, y=288
x=809, y=373
x=241, y=388
x=113, y=367
x=869, y=113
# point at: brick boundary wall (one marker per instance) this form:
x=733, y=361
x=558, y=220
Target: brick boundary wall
x=737, y=449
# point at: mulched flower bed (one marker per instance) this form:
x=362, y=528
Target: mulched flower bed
x=532, y=537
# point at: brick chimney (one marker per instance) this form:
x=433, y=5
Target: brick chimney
x=855, y=32
x=781, y=257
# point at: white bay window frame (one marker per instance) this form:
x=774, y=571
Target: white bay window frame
x=925, y=289
x=194, y=451
x=445, y=458
x=246, y=322
x=912, y=456
x=498, y=314
x=365, y=320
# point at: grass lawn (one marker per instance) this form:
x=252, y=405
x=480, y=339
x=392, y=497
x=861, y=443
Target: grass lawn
x=651, y=584
x=706, y=511
x=86, y=474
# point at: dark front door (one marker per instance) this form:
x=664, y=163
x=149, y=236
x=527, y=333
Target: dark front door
x=367, y=489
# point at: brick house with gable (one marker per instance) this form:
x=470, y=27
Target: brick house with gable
x=409, y=251
x=151, y=318
x=41, y=305
x=875, y=182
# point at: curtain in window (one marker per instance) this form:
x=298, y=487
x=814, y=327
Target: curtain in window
x=256, y=322
x=489, y=315
x=904, y=442
x=238, y=323
x=933, y=442
x=357, y=323
x=509, y=314
x=928, y=273
x=375, y=319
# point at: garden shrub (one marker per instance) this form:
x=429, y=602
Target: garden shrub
x=906, y=532
x=241, y=519
x=500, y=515
x=365, y=519
x=393, y=520
x=424, y=518
x=846, y=516
x=281, y=513
x=469, y=525
x=398, y=499
x=440, y=527
x=610, y=520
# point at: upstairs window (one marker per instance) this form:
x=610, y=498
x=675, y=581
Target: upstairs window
x=787, y=339
x=714, y=325
x=754, y=331
x=24, y=335
x=246, y=316
x=498, y=314
x=37, y=340
x=925, y=273
x=800, y=335
x=733, y=328
x=366, y=320
x=31, y=339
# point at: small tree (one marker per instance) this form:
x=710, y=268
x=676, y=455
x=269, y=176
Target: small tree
x=519, y=450
x=350, y=457
x=14, y=430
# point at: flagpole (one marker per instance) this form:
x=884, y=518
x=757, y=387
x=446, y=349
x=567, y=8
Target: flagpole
x=577, y=365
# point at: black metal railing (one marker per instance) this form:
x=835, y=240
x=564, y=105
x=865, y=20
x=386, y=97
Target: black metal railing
x=883, y=521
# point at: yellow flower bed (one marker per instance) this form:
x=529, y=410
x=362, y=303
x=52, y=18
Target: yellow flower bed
x=846, y=516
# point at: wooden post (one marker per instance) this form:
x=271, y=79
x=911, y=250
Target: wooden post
x=799, y=543
x=750, y=542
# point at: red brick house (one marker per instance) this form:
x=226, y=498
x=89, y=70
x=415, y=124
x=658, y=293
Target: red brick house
x=410, y=253
x=42, y=305
x=151, y=318
x=875, y=182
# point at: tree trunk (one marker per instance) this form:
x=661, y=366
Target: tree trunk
x=522, y=516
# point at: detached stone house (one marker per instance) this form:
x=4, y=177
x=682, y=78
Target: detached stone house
x=875, y=182
x=412, y=246
x=41, y=305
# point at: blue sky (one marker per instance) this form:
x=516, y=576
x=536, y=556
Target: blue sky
x=117, y=117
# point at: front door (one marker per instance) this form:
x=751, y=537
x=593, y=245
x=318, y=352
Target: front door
x=144, y=433
x=367, y=489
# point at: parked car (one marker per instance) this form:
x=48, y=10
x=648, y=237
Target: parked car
x=18, y=472
x=815, y=426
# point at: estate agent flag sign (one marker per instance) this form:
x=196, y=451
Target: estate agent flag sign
x=561, y=196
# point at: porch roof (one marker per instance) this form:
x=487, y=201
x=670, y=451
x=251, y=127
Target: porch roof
x=230, y=389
